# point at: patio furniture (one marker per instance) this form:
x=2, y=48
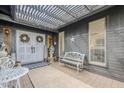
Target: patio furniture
x=12, y=74
x=74, y=59
x=6, y=62
x=3, y=50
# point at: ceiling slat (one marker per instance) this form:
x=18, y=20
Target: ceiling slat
x=52, y=17
x=50, y=14
x=64, y=9
x=34, y=18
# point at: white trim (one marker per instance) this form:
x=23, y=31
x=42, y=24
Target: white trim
x=63, y=43
x=96, y=63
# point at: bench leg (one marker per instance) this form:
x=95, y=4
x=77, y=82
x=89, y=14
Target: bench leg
x=78, y=68
x=81, y=66
x=18, y=83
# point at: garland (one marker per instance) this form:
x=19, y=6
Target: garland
x=24, y=38
x=39, y=39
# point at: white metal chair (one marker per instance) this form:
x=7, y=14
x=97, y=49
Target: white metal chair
x=6, y=62
x=8, y=75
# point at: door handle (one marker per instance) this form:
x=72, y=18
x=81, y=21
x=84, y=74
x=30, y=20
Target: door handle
x=34, y=49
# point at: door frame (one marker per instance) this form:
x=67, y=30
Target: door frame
x=96, y=63
x=63, y=42
x=18, y=31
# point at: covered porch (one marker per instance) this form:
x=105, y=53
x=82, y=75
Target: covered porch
x=64, y=45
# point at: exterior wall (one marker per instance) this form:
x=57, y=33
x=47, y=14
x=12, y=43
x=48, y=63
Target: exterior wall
x=25, y=28
x=3, y=24
x=114, y=41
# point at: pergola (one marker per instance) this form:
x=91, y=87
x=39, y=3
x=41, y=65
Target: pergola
x=53, y=17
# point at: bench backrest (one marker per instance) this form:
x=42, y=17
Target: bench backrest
x=74, y=56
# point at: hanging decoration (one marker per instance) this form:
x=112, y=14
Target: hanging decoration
x=7, y=30
x=39, y=39
x=24, y=38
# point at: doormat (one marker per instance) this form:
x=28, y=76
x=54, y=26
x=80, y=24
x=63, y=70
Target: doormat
x=36, y=65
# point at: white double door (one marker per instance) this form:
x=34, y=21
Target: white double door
x=32, y=51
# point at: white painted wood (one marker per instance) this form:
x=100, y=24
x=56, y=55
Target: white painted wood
x=61, y=43
x=31, y=51
x=90, y=30
x=39, y=48
x=23, y=49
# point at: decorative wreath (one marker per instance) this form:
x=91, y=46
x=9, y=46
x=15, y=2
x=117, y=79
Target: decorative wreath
x=24, y=38
x=39, y=39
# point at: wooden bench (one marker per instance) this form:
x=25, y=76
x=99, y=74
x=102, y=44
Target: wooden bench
x=74, y=59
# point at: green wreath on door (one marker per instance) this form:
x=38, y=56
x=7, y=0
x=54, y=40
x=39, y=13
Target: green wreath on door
x=39, y=39
x=24, y=38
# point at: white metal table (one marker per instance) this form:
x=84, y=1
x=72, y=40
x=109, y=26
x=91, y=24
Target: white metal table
x=12, y=74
